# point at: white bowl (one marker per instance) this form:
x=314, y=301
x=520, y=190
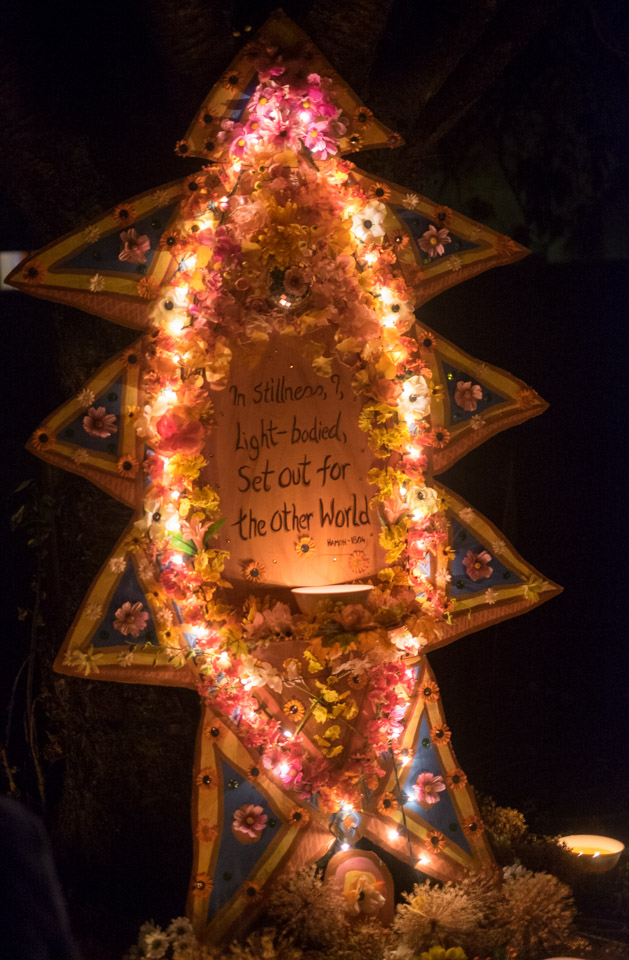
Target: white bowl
x=308, y=598
x=595, y=854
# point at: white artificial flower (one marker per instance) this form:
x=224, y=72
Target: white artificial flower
x=125, y=657
x=466, y=514
x=410, y=201
x=117, y=564
x=80, y=455
x=155, y=944
x=97, y=283
x=367, y=225
x=415, y=399
x=477, y=422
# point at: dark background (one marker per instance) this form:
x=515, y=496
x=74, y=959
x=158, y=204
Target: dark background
x=515, y=114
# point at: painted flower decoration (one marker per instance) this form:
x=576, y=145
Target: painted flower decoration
x=429, y=691
x=98, y=423
x=477, y=565
x=130, y=619
x=426, y=788
x=133, y=248
x=467, y=395
x=305, y=547
x=250, y=820
x=367, y=224
x=357, y=562
x=433, y=241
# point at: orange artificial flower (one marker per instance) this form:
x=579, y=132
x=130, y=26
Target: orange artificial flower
x=429, y=691
x=124, y=214
x=388, y=804
x=213, y=731
x=355, y=141
x=207, y=779
x=171, y=241
x=294, y=709
x=230, y=80
x=202, y=886
x=362, y=117
x=42, y=438
x=33, y=272
x=298, y=817
x=442, y=215
x=438, y=438
x=380, y=191
x=147, y=288
x=440, y=734
x=251, y=890
x=456, y=779
x=426, y=339
x=473, y=827
x=127, y=467
x=435, y=841
x=182, y=147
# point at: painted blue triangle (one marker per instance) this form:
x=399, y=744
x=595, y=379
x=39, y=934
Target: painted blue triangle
x=128, y=588
x=418, y=223
x=74, y=432
x=103, y=255
x=490, y=397
x=462, y=584
x=240, y=105
x=440, y=815
x=237, y=860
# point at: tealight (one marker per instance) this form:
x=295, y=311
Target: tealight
x=309, y=597
x=596, y=854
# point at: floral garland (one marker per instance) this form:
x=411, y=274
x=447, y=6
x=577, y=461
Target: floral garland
x=283, y=237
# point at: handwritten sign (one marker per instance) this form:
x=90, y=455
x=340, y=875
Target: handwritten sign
x=290, y=465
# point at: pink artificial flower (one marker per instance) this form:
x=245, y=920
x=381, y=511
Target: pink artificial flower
x=477, y=565
x=432, y=242
x=426, y=788
x=294, y=282
x=467, y=396
x=388, y=391
x=250, y=820
x=133, y=248
x=130, y=619
x=179, y=435
x=99, y=423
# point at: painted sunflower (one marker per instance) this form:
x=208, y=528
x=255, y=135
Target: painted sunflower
x=305, y=547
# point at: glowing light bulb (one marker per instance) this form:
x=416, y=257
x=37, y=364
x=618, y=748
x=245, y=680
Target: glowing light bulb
x=404, y=761
x=173, y=524
x=283, y=769
x=370, y=257
x=423, y=860
x=169, y=395
x=345, y=846
x=393, y=834
x=347, y=807
x=223, y=660
x=304, y=115
x=403, y=491
x=177, y=560
x=288, y=734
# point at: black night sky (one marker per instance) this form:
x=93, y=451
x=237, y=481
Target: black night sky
x=537, y=147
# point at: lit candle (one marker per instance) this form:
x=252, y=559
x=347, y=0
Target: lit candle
x=596, y=854
x=309, y=597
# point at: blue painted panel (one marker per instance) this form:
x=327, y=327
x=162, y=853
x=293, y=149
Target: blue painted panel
x=441, y=815
x=241, y=104
x=74, y=432
x=490, y=398
x=236, y=860
x=417, y=225
x=105, y=635
x=103, y=255
x=462, y=541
